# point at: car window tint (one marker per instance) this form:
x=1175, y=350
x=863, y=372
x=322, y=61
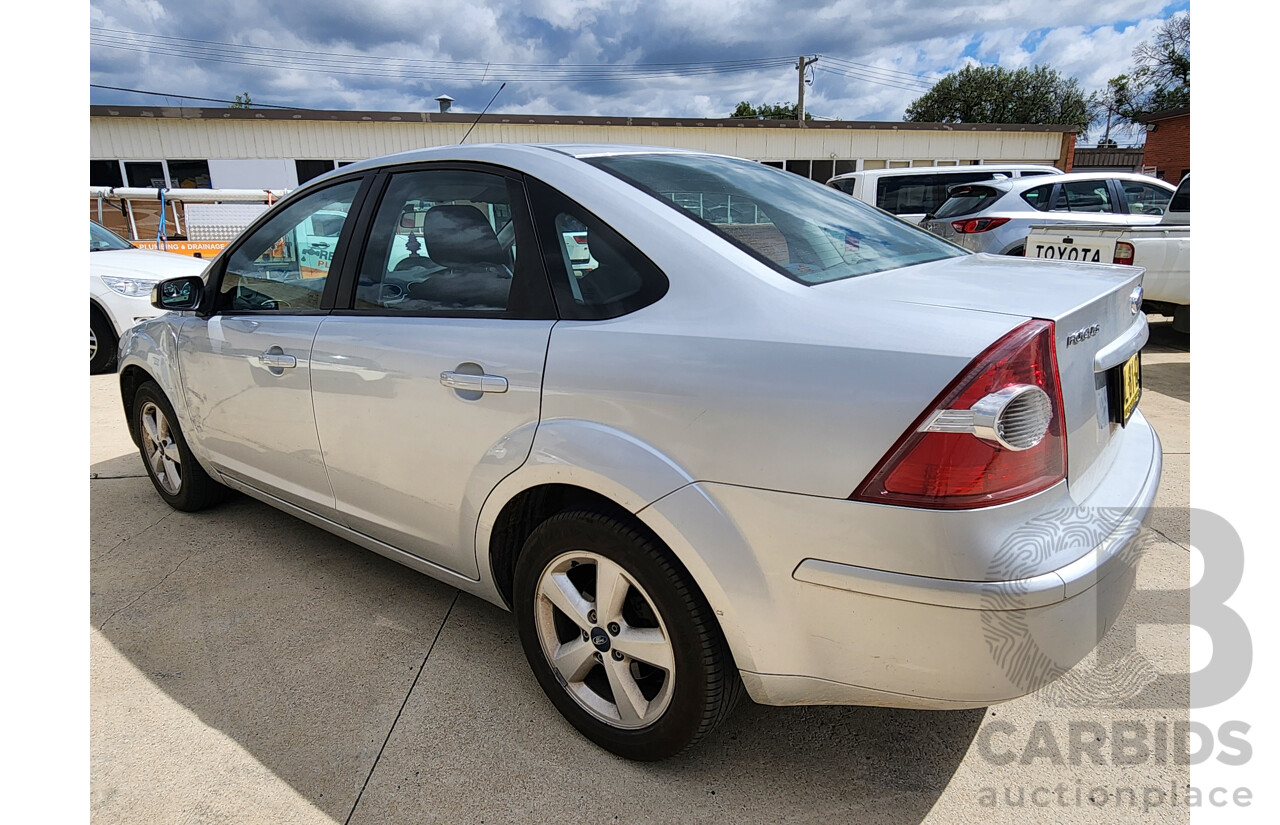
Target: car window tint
x=595, y=272
x=285, y=262
x=1144, y=198
x=805, y=231
x=443, y=242
x=1039, y=196
x=965, y=200
x=1181, y=201
x=1085, y=196
x=911, y=194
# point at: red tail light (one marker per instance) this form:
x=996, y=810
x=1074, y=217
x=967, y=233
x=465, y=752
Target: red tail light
x=1123, y=254
x=954, y=470
x=582, y=239
x=973, y=225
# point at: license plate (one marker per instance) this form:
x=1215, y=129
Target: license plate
x=1124, y=388
x=1069, y=251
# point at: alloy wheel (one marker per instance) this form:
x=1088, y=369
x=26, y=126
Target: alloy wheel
x=160, y=448
x=604, y=640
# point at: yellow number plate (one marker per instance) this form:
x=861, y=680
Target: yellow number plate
x=1127, y=385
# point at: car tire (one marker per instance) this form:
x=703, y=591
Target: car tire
x=102, y=343
x=1017, y=252
x=653, y=612
x=173, y=470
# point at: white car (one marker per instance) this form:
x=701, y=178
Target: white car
x=120, y=280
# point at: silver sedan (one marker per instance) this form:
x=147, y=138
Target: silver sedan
x=774, y=441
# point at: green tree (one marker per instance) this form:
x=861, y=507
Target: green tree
x=242, y=102
x=1162, y=68
x=1115, y=105
x=993, y=94
x=1159, y=79
x=777, y=111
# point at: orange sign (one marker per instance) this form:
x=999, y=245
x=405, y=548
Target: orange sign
x=196, y=249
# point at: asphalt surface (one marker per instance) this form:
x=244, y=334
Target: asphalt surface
x=247, y=667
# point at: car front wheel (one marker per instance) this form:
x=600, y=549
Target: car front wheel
x=102, y=343
x=174, y=471
x=621, y=641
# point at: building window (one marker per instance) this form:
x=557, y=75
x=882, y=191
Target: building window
x=843, y=167
x=145, y=173
x=189, y=174
x=776, y=164
x=800, y=167
x=308, y=169
x=105, y=173
x=823, y=170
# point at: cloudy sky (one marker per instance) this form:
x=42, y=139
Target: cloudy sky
x=676, y=58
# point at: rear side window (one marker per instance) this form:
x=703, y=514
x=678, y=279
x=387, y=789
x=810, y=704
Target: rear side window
x=914, y=194
x=1087, y=196
x=595, y=273
x=845, y=186
x=1039, y=197
x=965, y=200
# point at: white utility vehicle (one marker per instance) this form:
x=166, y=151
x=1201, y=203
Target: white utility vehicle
x=1162, y=249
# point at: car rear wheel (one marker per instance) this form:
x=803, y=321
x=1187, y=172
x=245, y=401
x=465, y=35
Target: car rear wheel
x=620, y=640
x=102, y=343
x=174, y=471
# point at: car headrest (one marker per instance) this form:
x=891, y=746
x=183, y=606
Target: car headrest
x=457, y=234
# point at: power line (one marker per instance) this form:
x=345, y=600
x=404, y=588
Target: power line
x=377, y=66
x=256, y=104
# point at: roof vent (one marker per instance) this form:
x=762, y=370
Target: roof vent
x=445, y=102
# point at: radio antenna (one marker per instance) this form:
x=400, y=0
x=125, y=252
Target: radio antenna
x=482, y=111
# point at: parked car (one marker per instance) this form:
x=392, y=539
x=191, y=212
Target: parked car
x=997, y=216
x=1163, y=250
x=120, y=280
x=786, y=447
x=911, y=193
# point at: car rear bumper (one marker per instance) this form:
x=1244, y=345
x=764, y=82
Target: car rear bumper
x=813, y=626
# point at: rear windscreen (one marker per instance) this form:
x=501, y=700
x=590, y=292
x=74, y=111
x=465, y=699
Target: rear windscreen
x=804, y=230
x=966, y=200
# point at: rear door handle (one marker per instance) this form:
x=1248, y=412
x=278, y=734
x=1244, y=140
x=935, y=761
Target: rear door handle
x=278, y=360
x=473, y=383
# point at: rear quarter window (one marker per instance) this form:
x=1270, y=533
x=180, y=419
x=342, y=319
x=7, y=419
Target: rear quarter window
x=1039, y=197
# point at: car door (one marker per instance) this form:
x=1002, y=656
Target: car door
x=426, y=384
x=246, y=368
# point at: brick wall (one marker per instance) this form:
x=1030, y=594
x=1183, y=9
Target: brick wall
x=1169, y=148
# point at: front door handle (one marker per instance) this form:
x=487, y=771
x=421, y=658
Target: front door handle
x=473, y=383
x=277, y=360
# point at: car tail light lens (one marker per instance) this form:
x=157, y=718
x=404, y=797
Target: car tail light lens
x=582, y=239
x=994, y=435
x=1123, y=253
x=973, y=225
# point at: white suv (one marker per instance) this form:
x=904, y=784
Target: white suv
x=911, y=193
x=120, y=281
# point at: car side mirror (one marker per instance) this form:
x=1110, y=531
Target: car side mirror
x=178, y=293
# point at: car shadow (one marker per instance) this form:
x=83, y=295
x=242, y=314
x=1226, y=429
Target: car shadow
x=1173, y=380
x=1164, y=338
x=308, y=651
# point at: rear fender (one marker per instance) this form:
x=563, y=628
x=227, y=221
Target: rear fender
x=638, y=477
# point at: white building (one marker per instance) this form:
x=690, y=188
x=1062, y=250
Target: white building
x=260, y=148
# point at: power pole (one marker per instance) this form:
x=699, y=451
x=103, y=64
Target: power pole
x=802, y=64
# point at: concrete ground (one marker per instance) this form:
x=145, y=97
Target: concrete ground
x=247, y=667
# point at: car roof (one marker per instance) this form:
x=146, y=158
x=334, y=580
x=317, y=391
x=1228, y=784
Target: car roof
x=968, y=167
